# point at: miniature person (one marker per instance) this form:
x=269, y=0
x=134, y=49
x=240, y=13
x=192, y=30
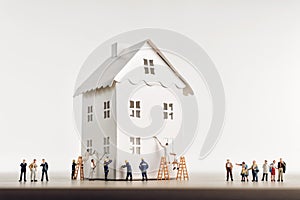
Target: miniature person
x=44, y=166
x=105, y=165
x=143, y=167
x=265, y=171
x=73, y=169
x=129, y=170
x=244, y=172
x=273, y=170
x=229, y=167
x=92, y=169
x=255, y=171
x=23, y=170
x=33, y=168
x=165, y=147
x=281, y=169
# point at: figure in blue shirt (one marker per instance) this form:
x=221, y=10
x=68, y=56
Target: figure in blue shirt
x=105, y=165
x=129, y=170
x=143, y=167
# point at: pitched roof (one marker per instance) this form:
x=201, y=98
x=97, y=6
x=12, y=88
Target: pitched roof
x=104, y=75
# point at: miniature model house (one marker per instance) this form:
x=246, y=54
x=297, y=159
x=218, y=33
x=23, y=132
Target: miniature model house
x=134, y=95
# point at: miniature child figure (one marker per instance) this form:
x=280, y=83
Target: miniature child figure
x=244, y=172
x=281, y=169
x=229, y=167
x=255, y=171
x=33, y=167
x=265, y=171
x=23, y=170
x=105, y=165
x=129, y=170
x=73, y=169
x=93, y=167
x=44, y=166
x=272, y=170
x=143, y=167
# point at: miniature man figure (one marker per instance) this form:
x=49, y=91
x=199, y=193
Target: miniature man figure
x=265, y=171
x=143, y=167
x=165, y=147
x=93, y=167
x=23, y=170
x=281, y=169
x=44, y=166
x=105, y=165
x=229, y=167
x=255, y=171
x=73, y=169
x=129, y=170
x=33, y=167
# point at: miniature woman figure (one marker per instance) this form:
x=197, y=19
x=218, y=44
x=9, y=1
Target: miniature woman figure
x=244, y=172
x=272, y=170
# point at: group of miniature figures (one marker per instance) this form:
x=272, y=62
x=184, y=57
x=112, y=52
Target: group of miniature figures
x=281, y=167
x=143, y=167
x=33, y=169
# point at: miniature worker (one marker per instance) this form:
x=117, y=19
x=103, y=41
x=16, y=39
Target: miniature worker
x=92, y=169
x=143, y=167
x=129, y=170
x=281, y=169
x=165, y=147
x=23, y=170
x=73, y=169
x=105, y=165
x=45, y=167
x=33, y=168
x=228, y=167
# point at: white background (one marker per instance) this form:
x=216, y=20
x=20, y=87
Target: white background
x=254, y=44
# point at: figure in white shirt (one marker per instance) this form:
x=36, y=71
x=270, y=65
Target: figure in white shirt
x=166, y=149
x=92, y=169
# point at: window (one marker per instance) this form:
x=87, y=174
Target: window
x=89, y=145
x=168, y=111
x=90, y=114
x=149, y=70
x=135, y=108
x=106, y=143
x=135, y=145
x=106, y=109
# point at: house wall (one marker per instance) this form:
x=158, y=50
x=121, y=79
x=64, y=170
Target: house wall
x=99, y=128
x=151, y=151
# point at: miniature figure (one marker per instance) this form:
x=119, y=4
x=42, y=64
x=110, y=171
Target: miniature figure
x=105, y=165
x=255, y=171
x=244, y=172
x=265, y=171
x=33, y=168
x=281, y=169
x=143, y=167
x=45, y=167
x=229, y=167
x=92, y=169
x=23, y=170
x=73, y=169
x=129, y=170
x=273, y=170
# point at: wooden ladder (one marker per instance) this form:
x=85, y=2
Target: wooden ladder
x=79, y=165
x=163, y=172
x=182, y=171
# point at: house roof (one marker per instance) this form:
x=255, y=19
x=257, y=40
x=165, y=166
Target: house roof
x=104, y=75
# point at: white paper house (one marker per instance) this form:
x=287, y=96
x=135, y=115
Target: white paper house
x=131, y=97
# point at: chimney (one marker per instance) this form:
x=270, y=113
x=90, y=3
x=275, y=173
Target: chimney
x=114, y=50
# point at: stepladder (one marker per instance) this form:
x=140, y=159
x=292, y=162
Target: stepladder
x=163, y=171
x=79, y=169
x=182, y=173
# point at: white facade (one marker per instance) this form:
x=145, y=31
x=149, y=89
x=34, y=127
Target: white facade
x=120, y=117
